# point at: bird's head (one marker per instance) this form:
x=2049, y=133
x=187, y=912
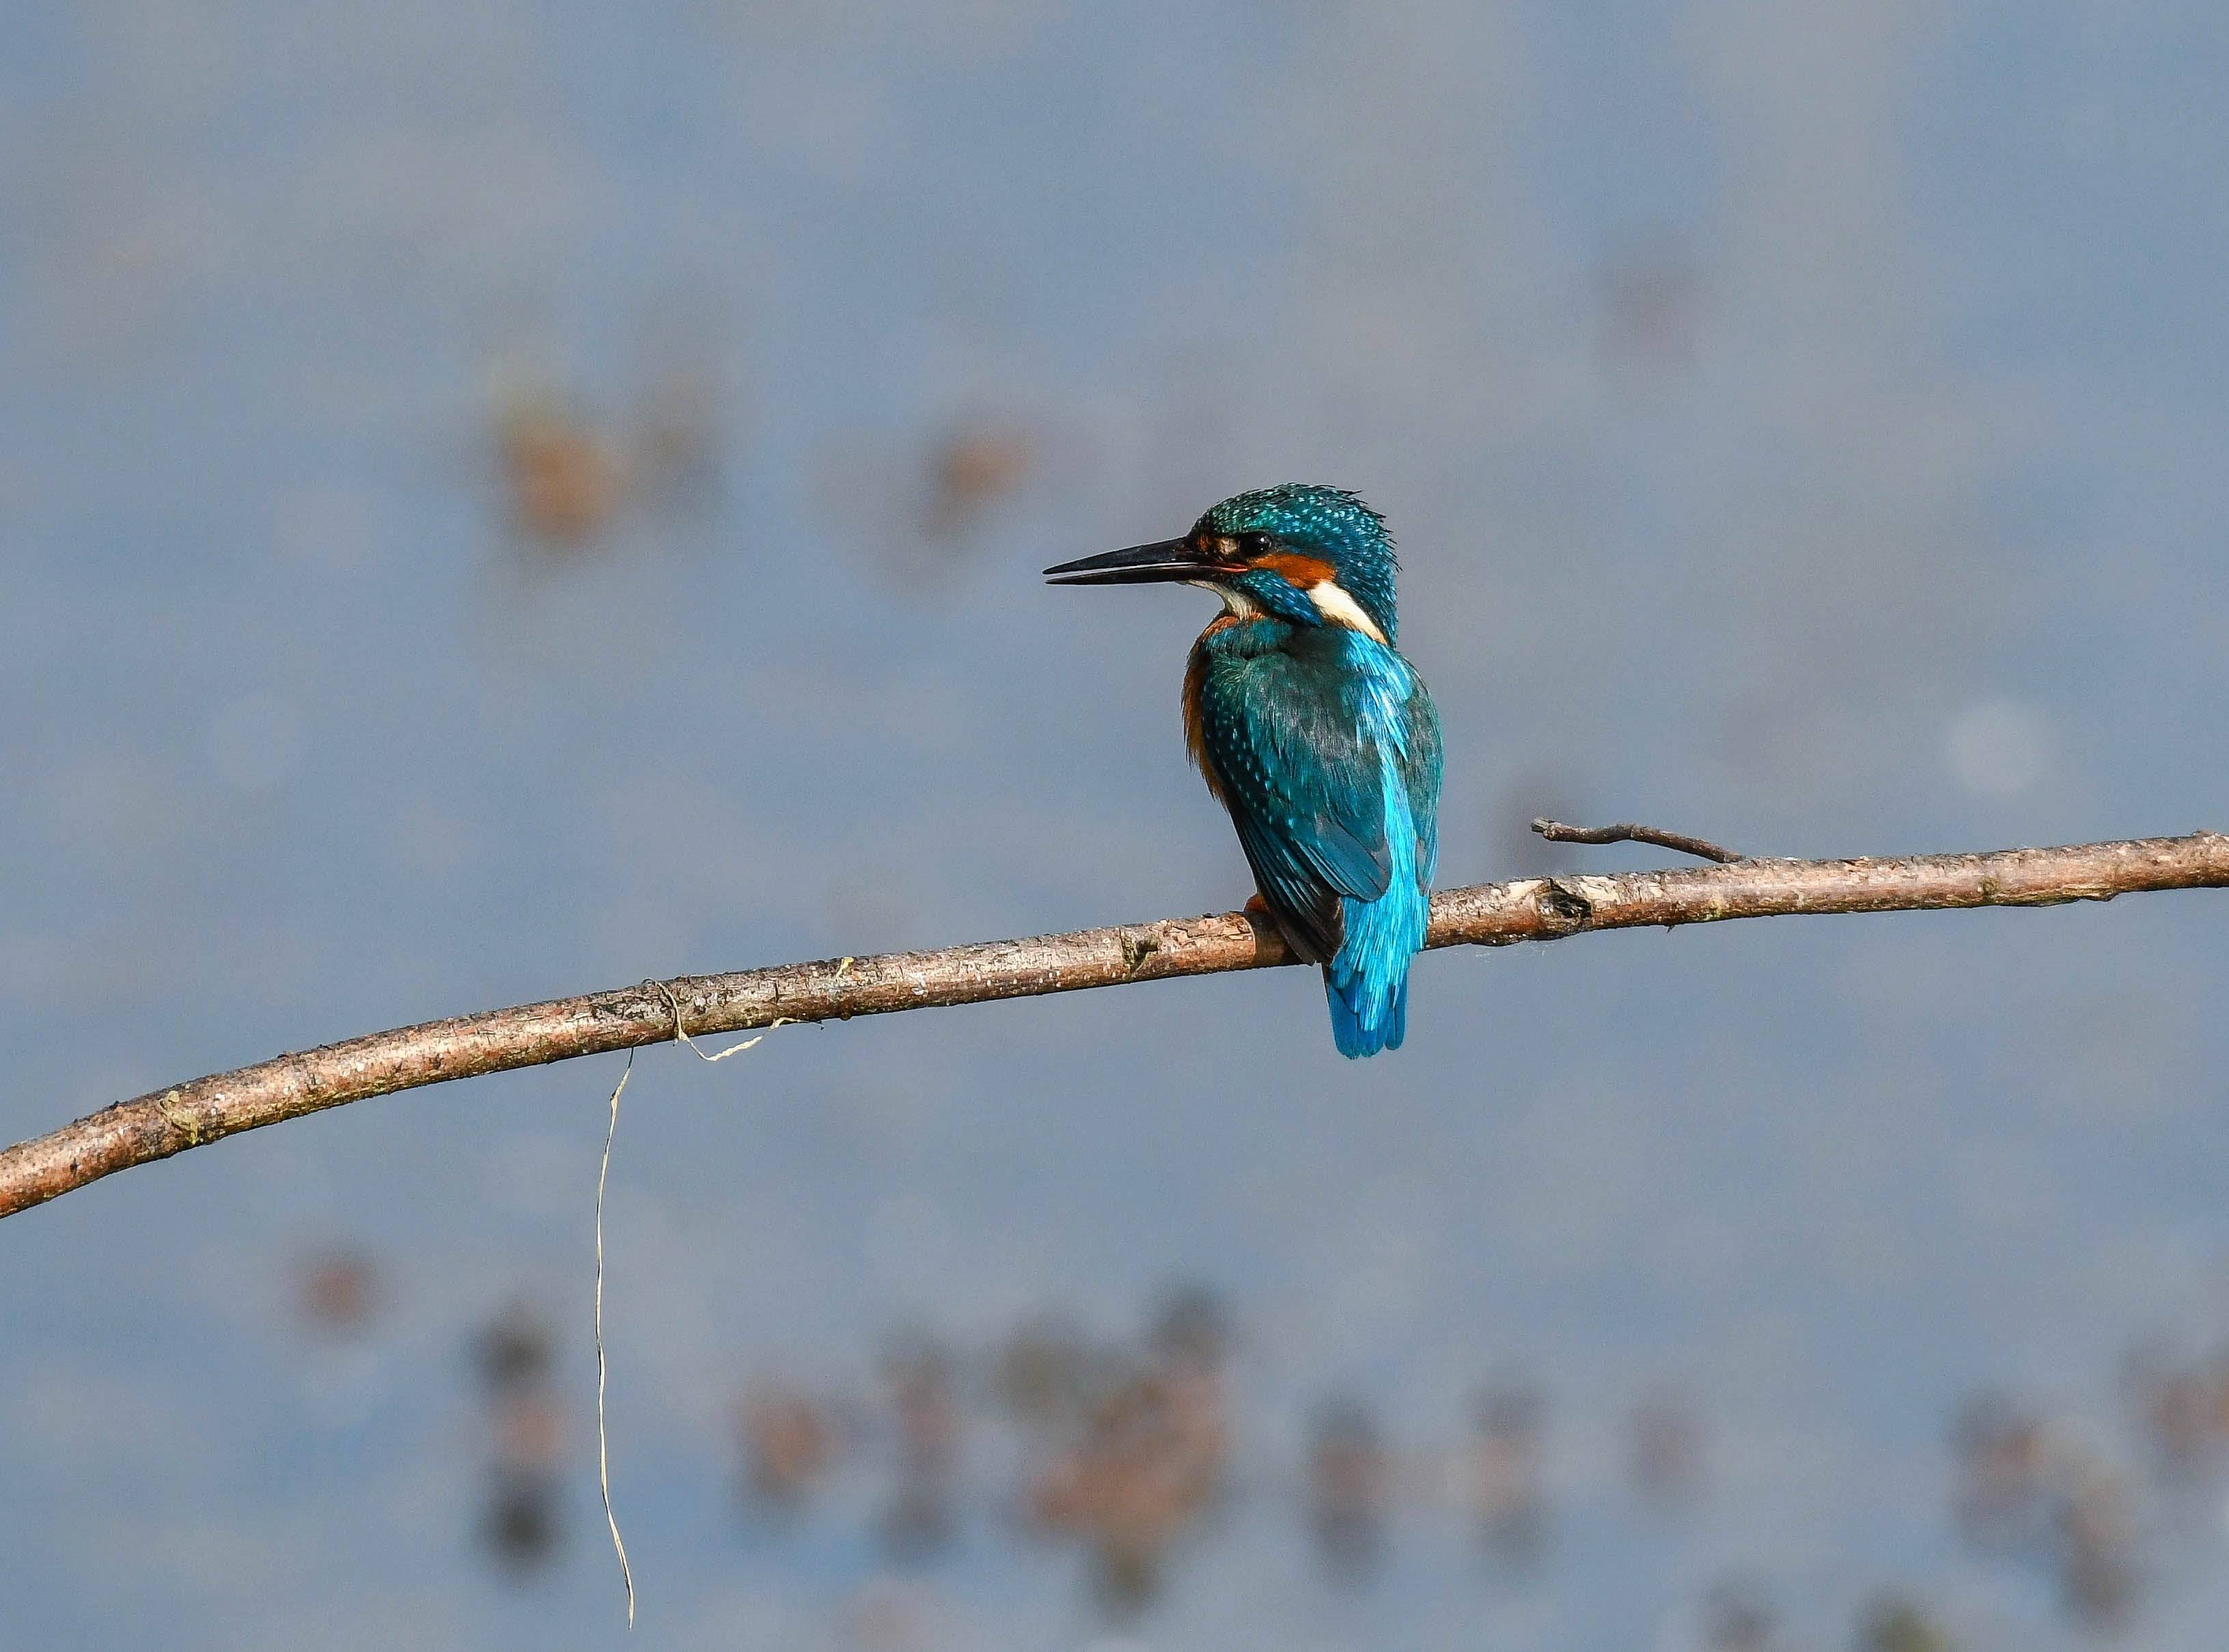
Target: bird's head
x=1310, y=555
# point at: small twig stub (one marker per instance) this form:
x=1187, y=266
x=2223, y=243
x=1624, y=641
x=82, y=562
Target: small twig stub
x=1628, y=832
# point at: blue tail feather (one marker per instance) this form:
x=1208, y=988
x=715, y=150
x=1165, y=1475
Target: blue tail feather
x=1364, y=1023
x=1367, y=981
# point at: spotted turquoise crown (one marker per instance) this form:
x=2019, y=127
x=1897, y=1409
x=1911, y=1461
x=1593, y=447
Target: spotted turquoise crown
x=1326, y=522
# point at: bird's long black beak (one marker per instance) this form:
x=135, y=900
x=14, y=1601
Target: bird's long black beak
x=1171, y=559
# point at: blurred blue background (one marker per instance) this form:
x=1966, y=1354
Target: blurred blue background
x=503, y=500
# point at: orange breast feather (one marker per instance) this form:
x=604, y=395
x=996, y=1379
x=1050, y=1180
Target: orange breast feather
x=1195, y=732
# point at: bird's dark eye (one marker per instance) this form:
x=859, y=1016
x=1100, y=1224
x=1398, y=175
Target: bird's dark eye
x=1254, y=544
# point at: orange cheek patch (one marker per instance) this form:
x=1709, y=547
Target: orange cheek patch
x=1298, y=571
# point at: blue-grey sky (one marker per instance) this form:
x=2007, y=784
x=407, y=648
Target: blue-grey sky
x=1801, y=424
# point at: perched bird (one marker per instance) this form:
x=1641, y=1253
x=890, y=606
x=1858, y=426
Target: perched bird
x=1313, y=731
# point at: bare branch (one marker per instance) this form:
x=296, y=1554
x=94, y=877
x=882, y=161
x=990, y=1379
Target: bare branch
x=154, y=1126
x=1626, y=832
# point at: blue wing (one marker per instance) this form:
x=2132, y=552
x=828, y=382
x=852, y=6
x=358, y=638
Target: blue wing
x=1303, y=792
x=1421, y=771
x=1367, y=984
x=1311, y=743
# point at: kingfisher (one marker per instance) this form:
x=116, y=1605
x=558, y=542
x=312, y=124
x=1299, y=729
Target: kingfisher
x=1312, y=732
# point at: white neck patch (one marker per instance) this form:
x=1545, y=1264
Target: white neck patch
x=1337, y=605
x=1236, y=603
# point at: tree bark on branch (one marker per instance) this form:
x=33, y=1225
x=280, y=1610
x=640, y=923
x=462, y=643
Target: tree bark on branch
x=158, y=1124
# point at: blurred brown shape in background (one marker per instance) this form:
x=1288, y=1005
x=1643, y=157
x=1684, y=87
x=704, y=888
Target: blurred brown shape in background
x=973, y=467
x=2183, y=1410
x=1041, y=1376
x=1151, y=1458
x=1350, y=1485
x=1892, y=1624
x=340, y=1291
x=1128, y=1488
x=789, y=1443
x=1190, y=1357
x=919, y=505
x=568, y=475
x=2097, y=1537
x=515, y=1349
x=925, y=1413
x=563, y=477
x=1500, y=1474
x=1999, y=1446
x=2044, y=1492
x=522, y=1526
